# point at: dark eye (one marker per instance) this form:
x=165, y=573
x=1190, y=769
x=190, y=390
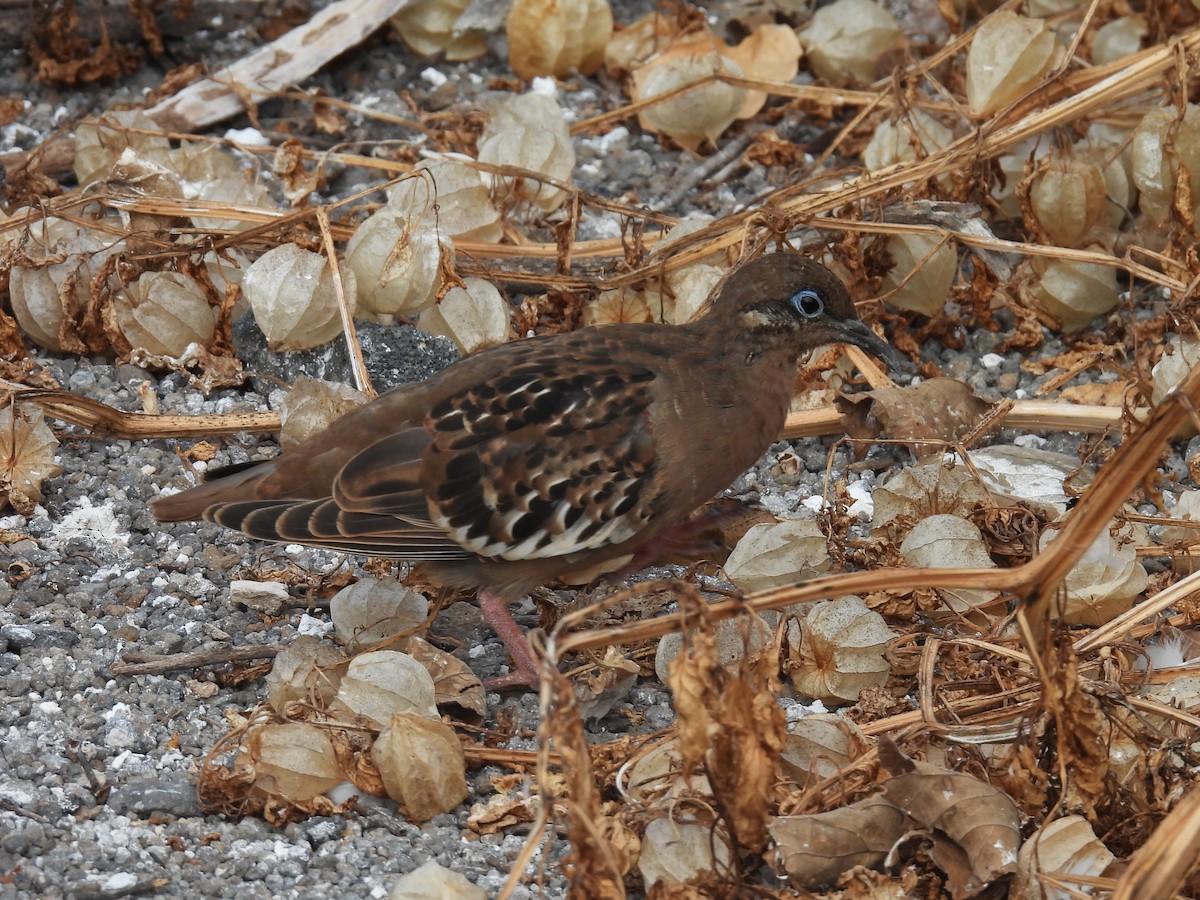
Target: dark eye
x=808, y=303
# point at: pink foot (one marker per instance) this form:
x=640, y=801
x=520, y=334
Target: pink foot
x=499, y=618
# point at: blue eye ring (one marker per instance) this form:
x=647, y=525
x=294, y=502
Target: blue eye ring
x=808, y=303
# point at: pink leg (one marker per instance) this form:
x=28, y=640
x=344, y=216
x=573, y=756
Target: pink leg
x=496, y=613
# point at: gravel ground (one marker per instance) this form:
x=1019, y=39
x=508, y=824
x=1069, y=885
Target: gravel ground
x=98, y=772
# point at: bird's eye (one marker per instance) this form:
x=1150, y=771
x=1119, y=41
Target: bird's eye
x=808, y=303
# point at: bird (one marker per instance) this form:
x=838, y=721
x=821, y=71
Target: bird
x=554, y=454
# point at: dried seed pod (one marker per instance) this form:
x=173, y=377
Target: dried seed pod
x=774, y=554
x=1178, y=357
x=622, y=306
x=659, y=774
x=836, y=651
x=422, y=764
x=691, y=286
x=397, y=263
x=923, y=274
x=1066, y=847
x=27, y=447
x=304, y=671
x=914, y=135
x=818, y=746
x=950, y=542
x=1009, y=56
x=1073, y=292
x=198, y=162
x=925, y=490
x=464, y=209
x=313, y=405
x=237, y=190
x=635, y=44
x=734, y=641
x=295, y=761
x=383, y=682
x=1163, y=146
x=1117, y=39
x=374, y=610
x=529, y=131
x=1102, y=585
x=846, y=39
x=556, y=37
x=100, y=143
x=1108, y=149
x=292, y=295
x=1067, y=196
x=677, y=851
x=432, y=880
x=474, y=316
x=699, y=115
x=164, y=312
x=428, y=27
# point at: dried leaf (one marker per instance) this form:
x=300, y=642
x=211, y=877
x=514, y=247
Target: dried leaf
x=27, y=448
x=455, y=686
x=815, y=849
x=940, y=409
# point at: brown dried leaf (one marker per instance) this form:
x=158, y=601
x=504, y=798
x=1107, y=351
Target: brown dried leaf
x=454, y=684
x=940, y=409
x=26, y=457
x=815, y=849
x=770, y=53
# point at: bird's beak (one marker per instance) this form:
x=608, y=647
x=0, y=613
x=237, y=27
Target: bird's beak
x=860, y=335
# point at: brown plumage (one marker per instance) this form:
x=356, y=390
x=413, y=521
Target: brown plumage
x=530, y=460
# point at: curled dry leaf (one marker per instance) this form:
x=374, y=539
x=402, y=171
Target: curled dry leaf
x=464, y=209
x=772, y=555
x=422, y=764
x=1103, y=584
x=846, y=39
x=1009, y=56
x=383, y=682
x=529, y=131
x=940, y=409
x=1064, y=847
x=923, y=490
x=294, y=762
x=836, y=651
x=556, y=37
x=977, y=817
x=27, y=448
x=305, y=671
x=924, y=272
x=163, y=312
x=814, y=850
x=950, y=542
x=374, y=610
x=292, y=294
x=428, y=27
x=676, y=851
x=819, y=746
x=398, y=263
x=456, y=689
x=434, y=882
x=311, y=406
x=473, y=316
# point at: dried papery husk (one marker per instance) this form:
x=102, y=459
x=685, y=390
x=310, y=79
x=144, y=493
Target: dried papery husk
x=474, y=316
x=198, y=162
x=1068, y=195
x=1067, y=848
x=1179, y=356
x=1012, y=168
x=1034, y=477
x=557, y=37
x=1111, y=154
x=99, y=144
x=735, y=640
x=422, y=764
x=312, y=406
x=305, y=671
x=846, y=39
x=464, y=208
x=530, y=132
x=397, y=263
x=163, y=312
x=659, y=774
x=236, y=190
x=1119, y=38
x=27, y=448
x=382, y=682
x=700, y=115
x=1102, y=585
x=434, y=882
x=44, y=296
x=623, y=305
x=815, y=849
x=836, y=651
x=1187, y=507
x=949, y=542
x=924, y=490
x=911, y=136
x=818, y=746
x=634, y=44
x=1009, y=56
x=225, y=268
x=1163, y=146
x=768, y=53
x=691, y=287
x=924, y=272
x=374, y=610
x=428, y=27
x=1073, y=292
x=292, y=295
x=295, y=761
x=679, y=849
x=777, y=553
